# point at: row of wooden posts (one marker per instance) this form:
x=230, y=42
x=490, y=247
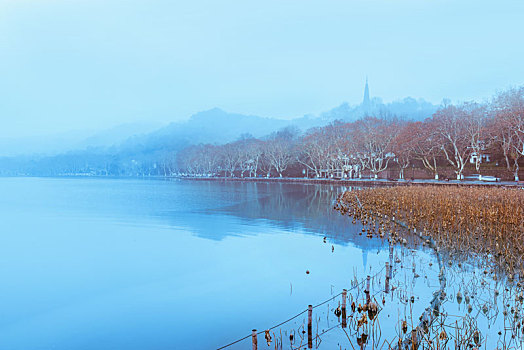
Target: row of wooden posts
x=343, y=313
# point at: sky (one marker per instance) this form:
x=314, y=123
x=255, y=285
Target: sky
x=93, y=64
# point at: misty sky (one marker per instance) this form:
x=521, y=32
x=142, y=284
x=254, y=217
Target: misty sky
x=77, y=64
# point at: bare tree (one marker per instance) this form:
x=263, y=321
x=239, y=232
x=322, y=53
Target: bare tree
x=508, y=108
x=477, y=127
x=426, y=146
x=230, y=158
x=264, y=165
x=279, y=150
x=168, y=163
x=451, y=125
x=339, y=134
x=321, y=149
x=312, y=151
x=403, y=147
x=250, y=156
x=186, y=161
x=209, y=159
x=372, y=140
x=199, y=159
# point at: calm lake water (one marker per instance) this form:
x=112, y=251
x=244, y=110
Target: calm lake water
x=155, y=264
x=136, y=264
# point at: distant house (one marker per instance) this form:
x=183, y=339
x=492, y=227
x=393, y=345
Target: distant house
x=484, y=158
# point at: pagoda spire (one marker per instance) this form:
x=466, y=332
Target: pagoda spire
x=366, y=102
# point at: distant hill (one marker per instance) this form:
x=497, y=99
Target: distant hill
x=407, y=108
x=74, y=140
x=117, y=134
x=216, y=126
x=130, y=150
x=146, y=149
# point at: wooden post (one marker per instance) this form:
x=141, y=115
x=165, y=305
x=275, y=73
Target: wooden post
x=309, y=327
x=344, y=296
x=254, y=338
x=368, y=297
x=414, y=340
x=387, y=277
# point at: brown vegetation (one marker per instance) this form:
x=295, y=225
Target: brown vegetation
x=486, y=224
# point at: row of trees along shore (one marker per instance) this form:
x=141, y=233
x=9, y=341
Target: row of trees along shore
x=470, y=135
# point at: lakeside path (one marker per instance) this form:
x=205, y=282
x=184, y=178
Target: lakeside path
x=360, y=182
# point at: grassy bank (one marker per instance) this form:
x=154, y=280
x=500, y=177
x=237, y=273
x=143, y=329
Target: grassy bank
x=478, y=222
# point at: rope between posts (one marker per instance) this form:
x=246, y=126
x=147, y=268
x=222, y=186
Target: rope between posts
x=281, y=323
x=318, y=335
x=278, y=325
x=322, y=303
x=236, y=341
x=302, y=312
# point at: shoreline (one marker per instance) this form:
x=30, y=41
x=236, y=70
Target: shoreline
x=357, y=182
x=323, y=181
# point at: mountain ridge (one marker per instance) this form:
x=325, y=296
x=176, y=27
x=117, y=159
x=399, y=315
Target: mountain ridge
x=213, y=126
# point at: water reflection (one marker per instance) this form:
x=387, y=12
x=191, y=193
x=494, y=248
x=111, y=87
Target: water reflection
x=291, y=207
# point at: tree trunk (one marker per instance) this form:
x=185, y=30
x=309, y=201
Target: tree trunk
x=507, y=160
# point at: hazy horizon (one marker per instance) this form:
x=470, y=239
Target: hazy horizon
x=92, y=65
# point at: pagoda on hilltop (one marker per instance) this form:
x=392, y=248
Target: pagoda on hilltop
x=366, y=103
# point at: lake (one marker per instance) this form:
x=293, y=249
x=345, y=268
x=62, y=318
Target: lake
x=93, y=263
